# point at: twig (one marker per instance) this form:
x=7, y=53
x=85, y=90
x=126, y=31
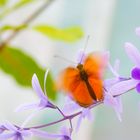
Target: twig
x=27, y=21
x=69, y=117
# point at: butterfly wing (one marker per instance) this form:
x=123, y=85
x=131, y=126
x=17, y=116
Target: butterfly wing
x=71, y=82
x=69, y=78
x=94, y=66
x=82, y=96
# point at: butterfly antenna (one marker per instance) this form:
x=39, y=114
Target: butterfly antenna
x=67, y=60
x=85, y=46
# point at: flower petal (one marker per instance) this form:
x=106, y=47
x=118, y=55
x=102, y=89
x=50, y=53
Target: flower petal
x=20, y=138
x=118, y=114
x=44, y=104
x=113, y=70
x=118, y=107
x=133, y=53
x=119, y=104
x=16, y=137
x=26, y=133
x=37, y=88
x=85, y=114
x=10, y=126
x=65, y=131
x=66, y=138
x=108, y=83
x=109, y=99
x=2, y=129
x=115, y=102
x=70, y=106
x=138, y=31
x=79, y=122
x=6, y=136
x=117, y=65
x=123, y=87
x=138, y=87
x=135, y=73
x=27, y=106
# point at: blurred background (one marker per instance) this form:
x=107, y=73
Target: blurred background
x=60, y=28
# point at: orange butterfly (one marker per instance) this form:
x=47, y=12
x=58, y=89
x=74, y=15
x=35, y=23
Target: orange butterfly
x=84, y=82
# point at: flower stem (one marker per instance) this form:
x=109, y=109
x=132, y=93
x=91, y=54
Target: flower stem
x=60, y=111
x=70, y=117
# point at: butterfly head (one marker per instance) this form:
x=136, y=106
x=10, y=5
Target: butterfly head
x=80, y=67
x=82, y=72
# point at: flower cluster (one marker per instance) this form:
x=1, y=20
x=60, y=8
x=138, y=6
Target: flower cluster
x=113, y=89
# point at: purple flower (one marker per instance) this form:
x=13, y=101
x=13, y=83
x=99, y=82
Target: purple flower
x=115, y=102
x=14, y=132
x=134, y=55
x=2, y=129
x=109, y=98
x=135, y=73
x=65, y=134
x=42, y=95
x=112, y=81
x=130, y=83
x=71, y=107
x=41, y=104
x=86, y=113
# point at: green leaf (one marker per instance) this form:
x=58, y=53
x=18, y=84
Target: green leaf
x=3, y=2
x=71, y=34
x=22, y=67
x=10, y=27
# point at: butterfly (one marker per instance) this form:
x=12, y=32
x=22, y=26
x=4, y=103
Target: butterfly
x=84, y=83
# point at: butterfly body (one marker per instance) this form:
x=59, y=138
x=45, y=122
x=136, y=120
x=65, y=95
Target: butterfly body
x=84, y=82
x=84, y=77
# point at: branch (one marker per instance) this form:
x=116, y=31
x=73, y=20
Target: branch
x=70, y=117
x=26, y=22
